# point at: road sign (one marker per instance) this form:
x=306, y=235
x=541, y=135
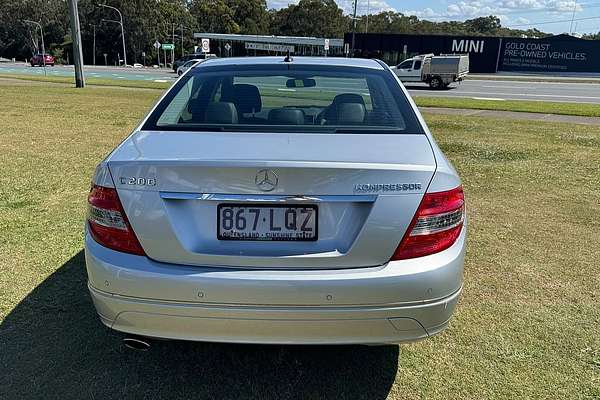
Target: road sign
x=206, y=45
x=346, y=48
x=168, y=46
x=326, y=45
x=157, y=45
x=227, y=46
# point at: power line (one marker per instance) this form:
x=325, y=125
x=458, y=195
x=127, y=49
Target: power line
x=551, y=22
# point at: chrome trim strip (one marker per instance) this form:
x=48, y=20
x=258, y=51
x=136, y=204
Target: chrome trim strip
x=256, y=198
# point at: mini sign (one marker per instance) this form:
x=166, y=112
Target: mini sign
x=168, y=46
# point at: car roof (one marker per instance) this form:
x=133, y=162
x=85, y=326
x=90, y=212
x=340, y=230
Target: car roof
x=314, y=61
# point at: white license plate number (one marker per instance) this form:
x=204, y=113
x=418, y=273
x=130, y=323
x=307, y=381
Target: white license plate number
x=267, y=222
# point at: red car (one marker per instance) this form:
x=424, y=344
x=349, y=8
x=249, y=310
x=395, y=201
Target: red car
x=38, y=60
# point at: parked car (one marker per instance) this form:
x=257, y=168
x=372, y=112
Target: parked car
x=437, y=71
x=38, y=60
x=272, y=200
x=187, y=65
x=196, y=56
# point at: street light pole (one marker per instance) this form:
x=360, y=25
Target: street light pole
x=94, y=53
x=94, y=44
x=122, y=30
x=353, y=28
x=173, y=49
x=43, y=47
x=182, y=52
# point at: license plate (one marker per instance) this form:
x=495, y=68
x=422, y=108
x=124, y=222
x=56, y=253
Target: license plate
x=274, y=222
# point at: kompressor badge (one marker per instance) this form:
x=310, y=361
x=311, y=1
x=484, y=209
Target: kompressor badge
x=386, y=187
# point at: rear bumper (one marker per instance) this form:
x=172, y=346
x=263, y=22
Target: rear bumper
x=274, y=325
x=402, y=301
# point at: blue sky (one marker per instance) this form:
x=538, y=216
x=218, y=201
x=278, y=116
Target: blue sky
x=513, y=13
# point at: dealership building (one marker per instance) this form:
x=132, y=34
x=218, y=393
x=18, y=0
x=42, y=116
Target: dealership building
x=562, y=53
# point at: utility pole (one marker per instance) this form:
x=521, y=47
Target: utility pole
x=573, y=17
x=122, y=30
x=77, y=50
x=353, y=29
x=368, y=12
x=43, y=47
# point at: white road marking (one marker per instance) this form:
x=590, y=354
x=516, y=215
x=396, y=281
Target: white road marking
x=286, y=90
x=534, y=95
x=505, y=87
x=160, y=81
x=488, y=98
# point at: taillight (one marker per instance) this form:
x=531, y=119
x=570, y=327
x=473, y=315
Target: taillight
x=436, y=225
x=108, y=223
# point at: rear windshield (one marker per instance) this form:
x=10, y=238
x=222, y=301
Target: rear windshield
x=285, y=98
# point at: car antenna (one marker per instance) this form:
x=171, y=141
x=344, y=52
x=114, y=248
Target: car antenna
x=288, y=58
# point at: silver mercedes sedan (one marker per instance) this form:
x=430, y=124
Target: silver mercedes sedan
x=278, y=200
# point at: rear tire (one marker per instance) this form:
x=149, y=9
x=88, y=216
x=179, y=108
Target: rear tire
x=436, y=83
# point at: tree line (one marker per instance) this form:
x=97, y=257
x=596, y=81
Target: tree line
x=146, y=21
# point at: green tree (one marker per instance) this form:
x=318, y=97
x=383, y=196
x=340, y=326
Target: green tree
x=251, y=16
x=214, y=16
x=483, y=25
x=321, y=18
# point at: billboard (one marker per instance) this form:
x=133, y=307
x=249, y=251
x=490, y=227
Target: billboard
x=393, y=48
x=561, y=53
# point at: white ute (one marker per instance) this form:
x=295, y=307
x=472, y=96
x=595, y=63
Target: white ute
x=437, y=71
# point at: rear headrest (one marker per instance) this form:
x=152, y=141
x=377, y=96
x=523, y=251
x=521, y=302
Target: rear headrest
x=221, y=113
x=350, y=114
x=286, y=116
x=247, y=98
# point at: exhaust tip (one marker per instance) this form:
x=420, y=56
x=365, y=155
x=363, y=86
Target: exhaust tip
x=136, y=343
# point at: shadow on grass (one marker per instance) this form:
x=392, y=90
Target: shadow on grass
x=52, y=345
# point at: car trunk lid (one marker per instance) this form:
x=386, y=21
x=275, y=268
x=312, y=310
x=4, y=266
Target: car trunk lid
x=365, y=188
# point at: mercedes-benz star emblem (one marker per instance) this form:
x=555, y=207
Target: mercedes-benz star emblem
x=266, y=180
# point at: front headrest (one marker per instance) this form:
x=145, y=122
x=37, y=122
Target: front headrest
x=221, y=113
x=348, y=98
x=350, y=114
x=286, y=116
x=247, y=98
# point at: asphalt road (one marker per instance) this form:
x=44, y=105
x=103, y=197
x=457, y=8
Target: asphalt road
x=493, y=90
x=496, y=90
x=134, y=74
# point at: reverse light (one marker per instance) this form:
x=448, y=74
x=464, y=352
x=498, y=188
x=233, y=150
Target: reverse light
x=435, y=226
x=108, y=223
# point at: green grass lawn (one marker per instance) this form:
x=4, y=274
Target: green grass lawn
x=545, y=107
x=527, y=325
x=90, y=81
